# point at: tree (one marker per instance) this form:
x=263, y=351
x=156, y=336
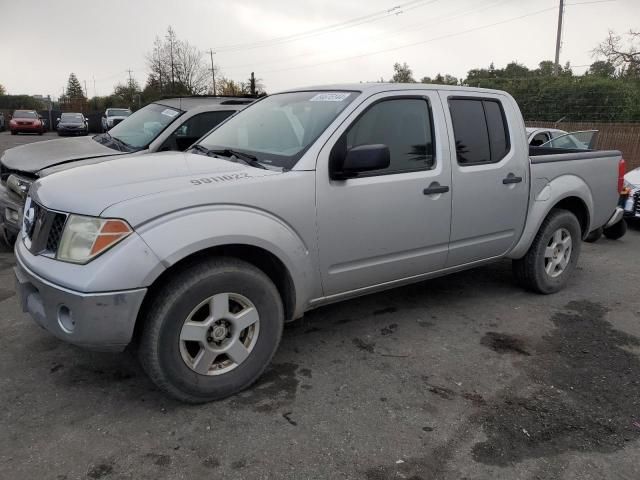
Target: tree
x=3, y=91
x=625, y=58
x=128, y=92
x=74, y=89
x=229, y=87
x=545, y=68
x=177, y=68
x=402, y=74
x=190, y=70
x=602, y=68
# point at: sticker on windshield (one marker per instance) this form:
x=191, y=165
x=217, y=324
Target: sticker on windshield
x=169, y=113
x=330, y=97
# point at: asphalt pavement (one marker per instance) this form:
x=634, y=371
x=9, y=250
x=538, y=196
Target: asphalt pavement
x=462, y=377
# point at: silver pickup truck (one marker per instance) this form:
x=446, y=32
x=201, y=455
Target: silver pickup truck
x=305, y=198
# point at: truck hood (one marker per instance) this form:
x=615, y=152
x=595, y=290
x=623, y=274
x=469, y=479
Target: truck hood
x=633, y=177
x=90, y=189
x=34, y=157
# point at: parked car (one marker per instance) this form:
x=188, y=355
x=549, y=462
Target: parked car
x=582, y=140
x=304, y=198
x=72, y=124
x=26, y=121
x=632, y=201
x=171, y=124
x=2, y=124
x=539, y=136
x=113, y=116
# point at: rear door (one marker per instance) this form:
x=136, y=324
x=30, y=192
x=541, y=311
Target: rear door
x=489, y=175
x=388, y=224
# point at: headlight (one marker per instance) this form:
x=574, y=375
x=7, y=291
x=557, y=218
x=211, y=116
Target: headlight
x=84, y=238
x=18, y=185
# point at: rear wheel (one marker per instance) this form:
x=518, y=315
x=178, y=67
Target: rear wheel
x=552, y=257
x=211, y=330
x=614, y=232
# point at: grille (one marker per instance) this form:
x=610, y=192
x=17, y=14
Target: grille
x=45, y=232
x=55, y=232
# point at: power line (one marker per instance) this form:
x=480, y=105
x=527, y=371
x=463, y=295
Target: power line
x=379, y=15
x=414, y=26
x=421, y=42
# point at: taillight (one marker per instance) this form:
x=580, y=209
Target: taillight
x=621, y=172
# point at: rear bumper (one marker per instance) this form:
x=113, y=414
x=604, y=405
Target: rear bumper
x=97, y=321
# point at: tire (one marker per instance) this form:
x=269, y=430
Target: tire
x=531, y=272
x=594, y=236
x=13, y=132
x=614, y=232
x=195, y=293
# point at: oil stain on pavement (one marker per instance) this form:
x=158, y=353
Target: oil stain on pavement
x=586, y=395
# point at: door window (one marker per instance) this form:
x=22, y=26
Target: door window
x=404, y=126
x=480, y=130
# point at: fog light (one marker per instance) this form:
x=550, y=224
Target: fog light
x=11, y=215
x=65, y=320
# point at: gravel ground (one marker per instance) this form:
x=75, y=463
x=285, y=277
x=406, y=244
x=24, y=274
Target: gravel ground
x=463, y=377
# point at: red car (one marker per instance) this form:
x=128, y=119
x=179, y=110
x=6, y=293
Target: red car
x=26, y=121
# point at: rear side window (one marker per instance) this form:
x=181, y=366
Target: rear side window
x=480, y=130
x=404, y=125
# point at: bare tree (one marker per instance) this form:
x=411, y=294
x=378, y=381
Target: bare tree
x=624, y=57
x=191, y=70
x=177, y=68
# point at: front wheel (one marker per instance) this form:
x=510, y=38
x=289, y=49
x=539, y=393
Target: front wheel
x=211, y=330
x=594, y=236
x=552, y=257
x=614, y=232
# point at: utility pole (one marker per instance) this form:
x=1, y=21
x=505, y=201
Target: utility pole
x=252, y=84
x=86, y=92
x=556, y=66
x=213, y=73
x=130, y=79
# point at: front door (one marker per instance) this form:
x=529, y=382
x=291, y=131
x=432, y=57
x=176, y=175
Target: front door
x=393, y=223
x=489, y=176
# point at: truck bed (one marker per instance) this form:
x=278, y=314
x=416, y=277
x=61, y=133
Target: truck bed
x=597, y=169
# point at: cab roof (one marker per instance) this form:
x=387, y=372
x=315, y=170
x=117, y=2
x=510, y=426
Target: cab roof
x=189, y=103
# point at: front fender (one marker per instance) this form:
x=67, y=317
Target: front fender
x=547, y=194
x=180, y=234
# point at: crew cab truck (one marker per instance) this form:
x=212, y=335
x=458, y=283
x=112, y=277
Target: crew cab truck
x=306, y=197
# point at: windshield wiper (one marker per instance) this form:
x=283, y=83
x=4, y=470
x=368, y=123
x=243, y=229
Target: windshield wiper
x=247, y=158
x=127, y=147
x=201, y=149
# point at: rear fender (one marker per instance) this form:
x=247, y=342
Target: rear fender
x=550, y=194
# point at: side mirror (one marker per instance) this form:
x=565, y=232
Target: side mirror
x=363, y=158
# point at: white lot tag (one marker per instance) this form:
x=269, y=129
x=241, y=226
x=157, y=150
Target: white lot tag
x=330, y=97
x=169, y=113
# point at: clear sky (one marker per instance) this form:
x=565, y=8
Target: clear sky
x=288, y=43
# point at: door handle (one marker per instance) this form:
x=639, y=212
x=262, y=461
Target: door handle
x=433, y=190
x=511, y=178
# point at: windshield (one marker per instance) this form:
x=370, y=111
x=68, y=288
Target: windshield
x=24, y=114
x=71, y=117
x=118, y=112
x=144, y=126
x=584, y=140
x=278, y=129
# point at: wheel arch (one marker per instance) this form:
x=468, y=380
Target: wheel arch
x=567, y=192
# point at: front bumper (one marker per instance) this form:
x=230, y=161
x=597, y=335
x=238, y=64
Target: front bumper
x=72, y=131
x=10, y=211
x=615, y=218
x=98, y=321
